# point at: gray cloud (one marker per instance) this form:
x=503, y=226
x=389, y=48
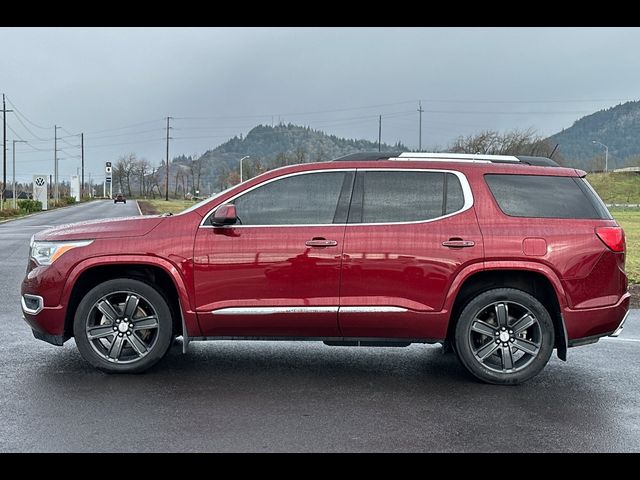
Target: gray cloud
x=98, y=80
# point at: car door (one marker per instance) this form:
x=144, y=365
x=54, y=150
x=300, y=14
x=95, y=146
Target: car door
x=276, y=272
x=409, y=232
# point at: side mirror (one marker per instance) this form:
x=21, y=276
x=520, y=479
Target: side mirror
x=224, y=215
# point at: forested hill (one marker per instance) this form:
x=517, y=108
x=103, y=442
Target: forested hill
x=617, y=127
x=272, y=146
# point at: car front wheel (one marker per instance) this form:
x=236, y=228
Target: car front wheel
x=123, y=326
x=504, y=336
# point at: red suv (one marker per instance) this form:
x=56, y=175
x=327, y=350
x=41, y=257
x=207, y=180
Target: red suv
x=502, y=258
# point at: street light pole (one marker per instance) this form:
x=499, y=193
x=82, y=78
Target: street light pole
x=606, y=154
x=241, y=166
x=14, y=170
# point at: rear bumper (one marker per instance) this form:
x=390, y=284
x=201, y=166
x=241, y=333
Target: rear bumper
x=621, y=326
x=586, y=326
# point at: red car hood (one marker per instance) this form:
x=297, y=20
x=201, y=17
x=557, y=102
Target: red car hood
x=106, y=228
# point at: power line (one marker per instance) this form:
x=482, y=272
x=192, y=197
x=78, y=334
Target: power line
x=25, y=117
x=124, y=127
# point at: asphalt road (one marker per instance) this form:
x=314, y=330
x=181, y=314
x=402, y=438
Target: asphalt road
x=262, y=396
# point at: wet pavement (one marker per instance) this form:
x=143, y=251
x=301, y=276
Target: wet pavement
x=285, y=396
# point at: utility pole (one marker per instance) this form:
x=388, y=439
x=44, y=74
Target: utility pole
x=82, y=157
x=379, y=131
x=420, y=110
x=14, y=170
x=56, y=196
x=166, y=190
x=4, y=151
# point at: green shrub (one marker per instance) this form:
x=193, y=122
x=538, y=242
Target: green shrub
x=30, y=206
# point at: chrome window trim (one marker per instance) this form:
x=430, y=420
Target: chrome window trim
x=466, y=192
x=28, y=310
x=319, y=309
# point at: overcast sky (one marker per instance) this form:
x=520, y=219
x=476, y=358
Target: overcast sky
x=118, y=84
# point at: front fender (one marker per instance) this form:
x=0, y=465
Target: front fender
x=186, y=300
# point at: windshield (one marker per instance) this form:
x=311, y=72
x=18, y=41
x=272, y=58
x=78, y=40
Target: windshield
x=206, y=200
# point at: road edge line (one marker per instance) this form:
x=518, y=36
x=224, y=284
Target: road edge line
x=139, y=211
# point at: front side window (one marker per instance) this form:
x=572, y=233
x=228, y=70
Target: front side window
x=383, y=196
x=304, y=199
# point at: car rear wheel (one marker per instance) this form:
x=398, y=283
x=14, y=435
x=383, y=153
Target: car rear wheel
x=123, y=326
x=504, y=336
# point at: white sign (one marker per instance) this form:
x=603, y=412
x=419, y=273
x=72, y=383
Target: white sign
x=75, y=187
x=40, y=191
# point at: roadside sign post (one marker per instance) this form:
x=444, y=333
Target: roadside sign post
x=107, y=180
x=40, y=190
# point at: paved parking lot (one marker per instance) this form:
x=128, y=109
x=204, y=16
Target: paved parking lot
x=283, y=396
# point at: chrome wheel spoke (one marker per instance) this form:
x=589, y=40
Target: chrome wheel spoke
x=113, y=331
x=137, y=344
x=145, y=323
x=502, y=314
x=516, y=333
x=108, y=311
x=131, y=305
x=507, y=358
x=526, y=346
x=100, y=331
x=523, y=323
x=116, y=347
x=486, y=350
x=483, y=328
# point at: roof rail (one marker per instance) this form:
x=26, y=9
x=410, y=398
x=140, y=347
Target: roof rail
x=459, y=156
x=449, y=157
x=364, y=156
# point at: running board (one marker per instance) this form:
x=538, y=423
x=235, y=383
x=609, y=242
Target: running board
x=332, y=341
x=365, y=343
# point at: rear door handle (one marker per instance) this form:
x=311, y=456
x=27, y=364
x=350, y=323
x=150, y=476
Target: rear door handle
x=320, y=242
x=458, y=243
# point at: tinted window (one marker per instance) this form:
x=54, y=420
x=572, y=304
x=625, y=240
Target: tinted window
x=310, y=198
x=403, y=196
x=454, y=197
x=543, y=196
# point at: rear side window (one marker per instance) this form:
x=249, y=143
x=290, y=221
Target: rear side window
x=383, y=196
x=545, y=197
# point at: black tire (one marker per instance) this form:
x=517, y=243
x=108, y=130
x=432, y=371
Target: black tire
x=115, y=201
x=511, y=354
x=124, y=201
x=151, y=343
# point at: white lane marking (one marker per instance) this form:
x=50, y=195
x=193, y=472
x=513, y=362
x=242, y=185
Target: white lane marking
x=622, y=339
x=139, y=211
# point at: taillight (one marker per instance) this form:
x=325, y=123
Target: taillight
x=612, y=237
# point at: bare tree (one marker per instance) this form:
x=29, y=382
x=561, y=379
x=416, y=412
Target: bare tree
x=141, y=168
x=514, y=142
x=300, y=155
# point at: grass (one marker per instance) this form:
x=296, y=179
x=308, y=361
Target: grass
x=153, y=207
x=616, y=187
x=630, y=221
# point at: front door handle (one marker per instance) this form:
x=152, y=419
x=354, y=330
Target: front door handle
x=320, y=242
x=458, y=243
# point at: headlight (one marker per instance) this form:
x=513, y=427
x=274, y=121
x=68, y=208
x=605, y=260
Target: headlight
x=45, y=253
